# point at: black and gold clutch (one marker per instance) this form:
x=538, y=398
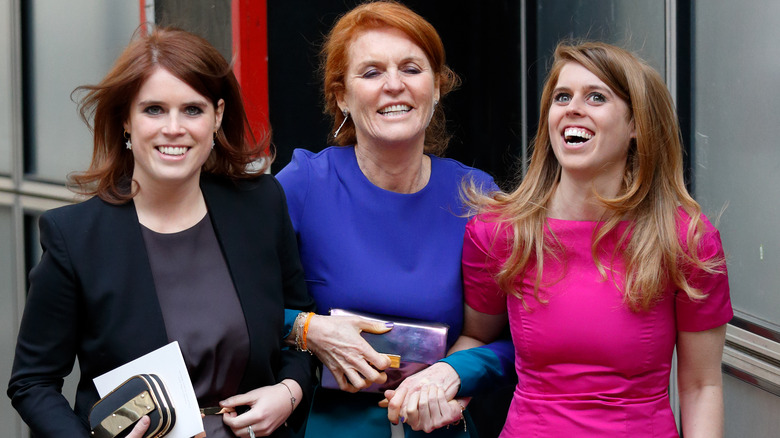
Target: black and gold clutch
x=115, y=415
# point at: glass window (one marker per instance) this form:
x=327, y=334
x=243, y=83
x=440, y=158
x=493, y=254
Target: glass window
x=8, y=319
x=7, y=63
x=734, y=147
x=67, y=44
x=637, y=26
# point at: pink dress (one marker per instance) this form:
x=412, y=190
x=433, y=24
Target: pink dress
x=588, y=366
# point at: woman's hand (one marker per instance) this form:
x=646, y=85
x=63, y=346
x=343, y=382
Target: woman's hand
x=336, y=341
x=140, y=428
x=425, y=395
x=269, y=408
x=429, y=408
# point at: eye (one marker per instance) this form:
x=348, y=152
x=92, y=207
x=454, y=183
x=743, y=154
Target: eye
x=411, y=69
x=370, y=73
x=193, y=110
x=597, y=98
x=153, y=110
x=562, y=98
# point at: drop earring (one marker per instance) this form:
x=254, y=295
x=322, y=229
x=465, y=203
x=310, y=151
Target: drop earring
x=214, y=141
x=345, y=113
x=128, y=143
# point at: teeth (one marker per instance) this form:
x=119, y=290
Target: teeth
x=395, y=109
x=172, y=150
x=577, y=135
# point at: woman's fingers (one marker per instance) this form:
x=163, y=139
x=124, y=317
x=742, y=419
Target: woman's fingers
x=140, y=428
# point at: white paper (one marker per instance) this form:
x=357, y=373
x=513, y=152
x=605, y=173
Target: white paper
x=168, y=363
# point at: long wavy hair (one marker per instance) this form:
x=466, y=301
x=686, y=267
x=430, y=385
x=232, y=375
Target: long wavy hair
x=335, y=60
x=106, y=106
x=652, y=188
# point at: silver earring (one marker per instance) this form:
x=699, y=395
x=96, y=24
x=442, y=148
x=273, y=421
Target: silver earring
x=435, y=102
x=128, y=143
x=346, y=116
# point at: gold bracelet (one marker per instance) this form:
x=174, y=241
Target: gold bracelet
x=298, y=329
x=292, y=398
x=462, y=418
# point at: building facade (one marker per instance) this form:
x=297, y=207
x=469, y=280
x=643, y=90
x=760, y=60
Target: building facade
x=718, y=58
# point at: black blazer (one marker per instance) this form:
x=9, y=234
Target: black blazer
x=92, y=296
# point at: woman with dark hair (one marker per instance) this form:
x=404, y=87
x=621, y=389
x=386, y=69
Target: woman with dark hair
x=602, y=263
x=179, y=242
x=378, y=217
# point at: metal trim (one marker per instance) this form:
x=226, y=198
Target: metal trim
x=756, y=328
x=752, y=358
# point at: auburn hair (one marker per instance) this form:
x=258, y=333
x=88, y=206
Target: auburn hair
x=335, y=60
x=106, y=106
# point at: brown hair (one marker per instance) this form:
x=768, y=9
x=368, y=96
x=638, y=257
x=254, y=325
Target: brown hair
x=652, y=188
x=374, y=15
x=191, y=59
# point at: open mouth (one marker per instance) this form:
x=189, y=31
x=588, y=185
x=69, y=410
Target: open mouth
x=172, y=150
x=577, y=135
x=395, y=110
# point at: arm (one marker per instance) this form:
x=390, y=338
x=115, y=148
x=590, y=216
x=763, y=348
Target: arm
x=48, y=341
x=467, y=368
x=336, y=341
x=269, y=408
x=272, y=405
x=411, y=399
x=700, y=382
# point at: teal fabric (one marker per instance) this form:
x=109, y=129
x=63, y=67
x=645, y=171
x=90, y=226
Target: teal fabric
x=481, y=368
x=289, y=320
x=346, y=415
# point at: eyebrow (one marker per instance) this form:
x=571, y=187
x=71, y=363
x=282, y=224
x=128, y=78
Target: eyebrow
x=372, y=61
x=162, y=103
x=588, y=88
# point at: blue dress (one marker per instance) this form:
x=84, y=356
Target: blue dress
x=367, y=249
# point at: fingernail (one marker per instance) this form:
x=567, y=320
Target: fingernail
x=389, y=324
x=403, y=420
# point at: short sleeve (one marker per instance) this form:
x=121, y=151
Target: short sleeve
x=715, y=309
x=479, y=267
x=294, y=179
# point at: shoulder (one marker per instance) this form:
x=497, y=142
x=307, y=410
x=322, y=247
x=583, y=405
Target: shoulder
x=450, y=169
x=486, y=230
x=709, y=242
x=86, y=214
x=224, y=190
x=311, y=163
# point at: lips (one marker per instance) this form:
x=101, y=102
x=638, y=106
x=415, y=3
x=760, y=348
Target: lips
x=395, y=110
x=575, y=136
x=172, y=150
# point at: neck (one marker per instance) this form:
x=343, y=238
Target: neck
x=400, y=170
x=575, y=199
x=171, y=208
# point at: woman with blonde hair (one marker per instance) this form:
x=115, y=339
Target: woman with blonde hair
x=602, y=263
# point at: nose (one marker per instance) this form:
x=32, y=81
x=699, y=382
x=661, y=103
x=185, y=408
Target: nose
x=394, y=83
x=575, y=107
x=173, y=125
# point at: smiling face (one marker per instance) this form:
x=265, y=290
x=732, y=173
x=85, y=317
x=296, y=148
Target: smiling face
x=171, y=127
x=390, y=89
x=589, y=126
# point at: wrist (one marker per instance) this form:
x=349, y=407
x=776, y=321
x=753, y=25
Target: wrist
x=300, y=330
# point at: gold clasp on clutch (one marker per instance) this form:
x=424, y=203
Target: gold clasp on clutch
x=125, y=416
x=395, y=360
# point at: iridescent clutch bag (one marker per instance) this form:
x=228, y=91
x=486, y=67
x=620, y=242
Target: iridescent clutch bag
x=412, y=346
